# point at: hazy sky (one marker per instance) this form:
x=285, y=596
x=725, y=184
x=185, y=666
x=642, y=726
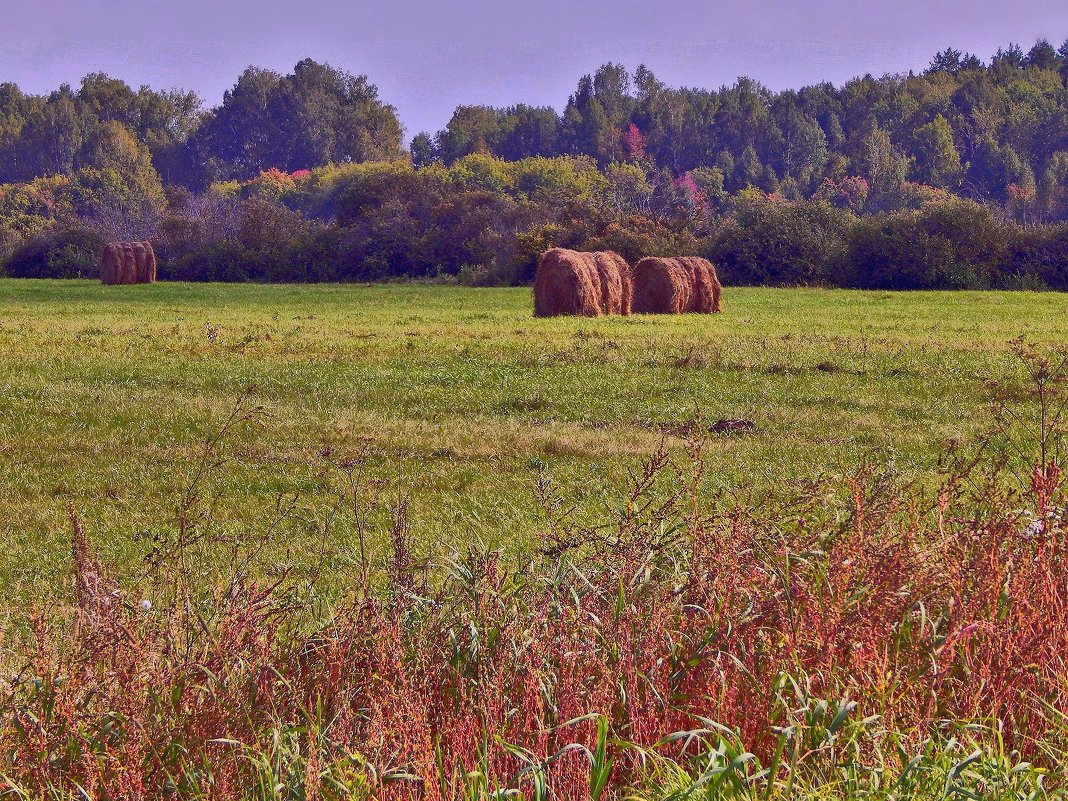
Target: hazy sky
x=427, y=56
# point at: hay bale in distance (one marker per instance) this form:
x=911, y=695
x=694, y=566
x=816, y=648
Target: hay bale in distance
x=128, y=272
x=707, y=290
x=676, y=286
x=151, y=264
x=110, y=263
x=617, y=284
x=128, y=263
x=567, y=282
x=145, y=260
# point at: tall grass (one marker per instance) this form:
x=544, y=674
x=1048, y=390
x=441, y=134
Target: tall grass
x=860, y=639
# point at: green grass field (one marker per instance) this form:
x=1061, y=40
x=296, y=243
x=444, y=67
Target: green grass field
x=459, y=396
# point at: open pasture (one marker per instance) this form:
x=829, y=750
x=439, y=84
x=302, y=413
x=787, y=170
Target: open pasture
x=459, y=397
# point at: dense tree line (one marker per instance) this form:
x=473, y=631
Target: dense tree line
x=992, y=133
x=484, y=220
x=314, y=116
x=956, y=177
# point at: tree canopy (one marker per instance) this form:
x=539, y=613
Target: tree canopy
x=314, y=116
x=987, y=132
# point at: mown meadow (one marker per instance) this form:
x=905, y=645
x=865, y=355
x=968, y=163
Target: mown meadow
x=406, y=541
x=458, y=398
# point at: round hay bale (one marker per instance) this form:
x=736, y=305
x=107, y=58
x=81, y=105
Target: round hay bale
x=140, y=261
x=128, y=263
x=706, y=289
x=145, y=262
x=110, y=263
x=661, y=286
x=128, y=271
x=676, y=286
x=567, y=282
x=150, y=263
x=617, y=284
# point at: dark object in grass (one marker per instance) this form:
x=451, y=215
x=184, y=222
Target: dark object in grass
x=694, y=427
x=736, y=425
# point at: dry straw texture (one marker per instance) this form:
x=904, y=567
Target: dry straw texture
x=676, y=286
x=617, y=284
x=707, y=290
x=110, y=264
x=586, y=284
x=128, y=263
x=145, y=258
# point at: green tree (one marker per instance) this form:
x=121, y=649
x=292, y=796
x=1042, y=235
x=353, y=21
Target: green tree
x=324, y=115
x=804, y=149
x=1043, y=56
x=1007, y=62
x=235, y=139
x=954, y=62
x=314, y=116
x=710, y=182
x=937, y=160
x=117, y=185
x=594, y=119
x=948, y=60
x=1053, y=188
x=52, y=137
x=629, y=191
x=472, y=129
x=14, y=107
x=882, y=164
x=107, y=98
x=749, y=168
x=423, y=150
x=833, y=129
x=163, y=121
x=527, y=131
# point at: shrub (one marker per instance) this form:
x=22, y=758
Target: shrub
x=954, y=245
x=309, y=257
x=1036, y=258
x=636, y=237
x=59, y=252
x=385, y=240
x=769, y=241
x=215, y=261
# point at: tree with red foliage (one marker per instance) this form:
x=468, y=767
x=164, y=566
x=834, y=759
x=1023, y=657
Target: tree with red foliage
x=634, y=143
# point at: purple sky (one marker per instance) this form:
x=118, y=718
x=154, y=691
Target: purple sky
x=427, y=56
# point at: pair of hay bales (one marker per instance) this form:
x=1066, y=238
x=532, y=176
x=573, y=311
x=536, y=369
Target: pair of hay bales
x=128, y=263
x=596, y=284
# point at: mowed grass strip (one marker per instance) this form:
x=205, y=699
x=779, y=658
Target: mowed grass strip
x=459, y=396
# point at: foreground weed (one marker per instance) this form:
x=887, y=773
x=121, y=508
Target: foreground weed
x=862, y=640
